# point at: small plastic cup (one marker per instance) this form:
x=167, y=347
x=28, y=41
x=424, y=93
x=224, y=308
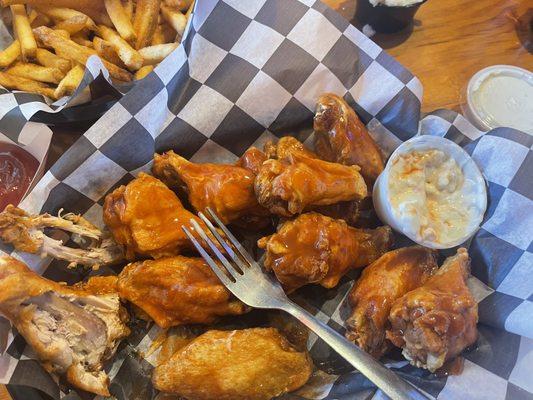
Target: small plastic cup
x=386, y=19
x=381, y=198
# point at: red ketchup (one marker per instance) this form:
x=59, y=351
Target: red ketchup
x=17, y=169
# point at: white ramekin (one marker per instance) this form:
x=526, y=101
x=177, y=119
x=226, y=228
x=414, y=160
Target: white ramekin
x=380, y=194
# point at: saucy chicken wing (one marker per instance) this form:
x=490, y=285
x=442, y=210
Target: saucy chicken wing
x=285, y=146
x=340, y=136
x=388, y=278
x=227, y=189
x=256, y=363
x=252, y=159
x=147, y=217
x=72, y=331
x=298, y=183
x=437, y=321
x=176, y=291
x=314, y=248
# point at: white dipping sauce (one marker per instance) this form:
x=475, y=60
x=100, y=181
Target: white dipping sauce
x=431, y=198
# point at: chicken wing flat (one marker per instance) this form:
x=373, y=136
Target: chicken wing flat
x=298, y=183
x=437, y=321
x=147, y=217
x=314, y=248
x=285, y=146
x=252, y=159
x=226, y=189
x=26, y=233
x=177, y=290
x=388, y=278
x=340, y=136
x=72, y=331
x=256, y=363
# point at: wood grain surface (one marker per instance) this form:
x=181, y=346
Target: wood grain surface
x=448, y=42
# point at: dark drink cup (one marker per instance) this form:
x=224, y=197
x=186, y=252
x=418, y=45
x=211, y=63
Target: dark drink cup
x=386, y=19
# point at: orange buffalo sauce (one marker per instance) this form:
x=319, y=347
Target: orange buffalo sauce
x=17, y=169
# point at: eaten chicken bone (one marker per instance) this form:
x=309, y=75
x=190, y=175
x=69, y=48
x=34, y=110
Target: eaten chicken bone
x=72, y=331
x=26, y=233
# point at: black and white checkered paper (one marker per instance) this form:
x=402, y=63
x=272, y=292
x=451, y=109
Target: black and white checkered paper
x=249, y=71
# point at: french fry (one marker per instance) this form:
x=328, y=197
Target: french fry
x=189, y=11
x=62, y=33
x=38, y=19
x=27, y=85
x=10, y=54
x=158, y=37
x=36, y=72
x=145, y=21
x=181, y=5
x=143, y=71
x=49, y=59
x=120, y=20
x=70, y=82
x=81, y=39
x=175, y=19
x=59, y=14
x=155, y=54
x=75, y=24
x=93, y=8
x=127, y=54
x=80, y=54
x=107, y=51
x=23, y=33
x=128, y=8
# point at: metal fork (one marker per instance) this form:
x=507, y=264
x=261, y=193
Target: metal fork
x=245, y=279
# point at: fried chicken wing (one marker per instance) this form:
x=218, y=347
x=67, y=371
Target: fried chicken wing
x=147, y=218
x=388, y=278
x=285, y=146
x=340, y=136
x=298, y=183
x=26, y=233
x=246, y=364
x=177, y=290
x=314, y=248
x=226, y=189
x=437, y=321
x=252, y=159
x=72, y=331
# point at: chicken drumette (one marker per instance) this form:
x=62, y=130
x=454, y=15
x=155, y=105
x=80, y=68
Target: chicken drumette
x=252, y=159
x=256, y=363
x=388, y=278
x=437, y=321
x=298, y=183
x=340, y=136
x=227, y=189
x=72, y=331
x=286, y=146
x=314, y=248
x=147, y=218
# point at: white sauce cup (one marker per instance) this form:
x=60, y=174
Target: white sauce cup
x=381, y=198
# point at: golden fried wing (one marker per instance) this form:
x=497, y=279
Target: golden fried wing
x=227, y=189
x=246, y=364
x=437, y=321
x=72, y=331
x=340, y=136
x=314, y=248
x=147, y=218
x=177, y=290
x=298, y=183
x=388, y=278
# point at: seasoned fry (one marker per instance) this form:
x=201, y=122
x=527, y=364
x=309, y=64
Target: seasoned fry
x=22, y=29
x=128, y=54
x=145, y=21
x=49, y=59
x=155, y=54
x=36, y=72
x=175, y=19
x=70, y=82
x=75, y=24
x=120, y=20
x=107, y=51
x=59, y=14
x=142, y=72
x=81, y=39
x=27, y=85
x=10, y=54
x=76, y=52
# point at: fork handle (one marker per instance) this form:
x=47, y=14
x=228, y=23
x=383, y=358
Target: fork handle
x=385, y=379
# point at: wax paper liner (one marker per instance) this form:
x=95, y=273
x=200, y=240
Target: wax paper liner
x=234, y=85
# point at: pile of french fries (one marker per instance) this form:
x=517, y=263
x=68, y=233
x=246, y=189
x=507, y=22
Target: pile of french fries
x=54, y=39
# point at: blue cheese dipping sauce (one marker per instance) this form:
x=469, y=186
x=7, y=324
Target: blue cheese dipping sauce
x=501, y=95
x=432, y=192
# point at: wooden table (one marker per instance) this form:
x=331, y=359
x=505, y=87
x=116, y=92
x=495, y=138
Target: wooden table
x=449, y=42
